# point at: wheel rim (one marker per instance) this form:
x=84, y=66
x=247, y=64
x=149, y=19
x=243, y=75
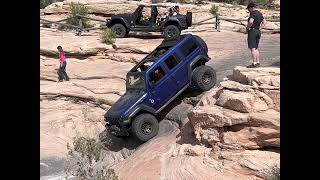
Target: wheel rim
x=172, y=32
x=146, y=128
x=118, y=31
x=206, y=78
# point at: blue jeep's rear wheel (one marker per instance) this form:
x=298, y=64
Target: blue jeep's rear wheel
x=145, y=126
x=204, y=77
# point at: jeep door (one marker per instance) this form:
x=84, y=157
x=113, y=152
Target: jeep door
x=178, y=70
x=188, y=51
x=161, y=86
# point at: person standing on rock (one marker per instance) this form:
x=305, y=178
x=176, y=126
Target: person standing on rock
x=255, y=22
x=63, y=63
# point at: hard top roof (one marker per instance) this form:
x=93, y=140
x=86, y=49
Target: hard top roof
x=171, y=42
x=167, y=43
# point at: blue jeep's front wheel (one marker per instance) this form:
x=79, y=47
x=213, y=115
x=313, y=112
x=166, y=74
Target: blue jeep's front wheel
x=145, y=126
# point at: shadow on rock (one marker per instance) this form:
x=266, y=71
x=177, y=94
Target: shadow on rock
x=116, y=144
x=178, y=109
x=276, y=64
x=186, y=135
x=145, y=36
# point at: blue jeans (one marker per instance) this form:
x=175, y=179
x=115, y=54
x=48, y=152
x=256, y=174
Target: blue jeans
x=62, y=72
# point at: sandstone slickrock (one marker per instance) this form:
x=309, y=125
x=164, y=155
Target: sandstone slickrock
x=257, y=77
x=239, y=115
x=251, y=138
x=58, y=115
x=275, y=96
x=241, y=101
x=162, y=158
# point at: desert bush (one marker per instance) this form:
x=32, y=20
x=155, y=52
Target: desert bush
x=46, y=25
x=83, y=157
x=214, y=10
x=242, y=30
x=74, y=100
x=108, y=37
x=274, y=173
x=78, y=9
x=45, y=3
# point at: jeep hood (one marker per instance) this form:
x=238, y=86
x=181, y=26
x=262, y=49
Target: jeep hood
x=125, y=104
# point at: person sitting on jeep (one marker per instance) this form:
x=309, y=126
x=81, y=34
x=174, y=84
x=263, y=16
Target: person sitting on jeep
x=170, y=11
x=176, y=10
x=154, y=15
x=156, y=76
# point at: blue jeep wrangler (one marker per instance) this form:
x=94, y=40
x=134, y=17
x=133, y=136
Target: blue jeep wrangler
x=156, y=81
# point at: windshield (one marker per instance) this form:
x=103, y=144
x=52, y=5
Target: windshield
x=135, y=81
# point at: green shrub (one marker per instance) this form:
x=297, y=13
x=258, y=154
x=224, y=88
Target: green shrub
x=46, y=25
x=82, y=158
x=78, y=9
x=274, y=173
x=45, y=3
x=242, y=30
x=214, y=10
x=108, y=37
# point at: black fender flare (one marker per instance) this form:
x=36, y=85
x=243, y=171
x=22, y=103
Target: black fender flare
x=126, y=23
x=171, y=20
x=139, y=108
x=195, y=60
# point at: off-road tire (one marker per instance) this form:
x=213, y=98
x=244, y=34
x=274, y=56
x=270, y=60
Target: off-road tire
x=202, y=43
x=204, y=77
x=171, y=32
x=139, y=129
x=119, y=30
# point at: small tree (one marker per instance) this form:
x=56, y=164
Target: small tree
x=78, y=9
x=108, y=37
x=214, y=10
x=82, y=160
x=45, y=3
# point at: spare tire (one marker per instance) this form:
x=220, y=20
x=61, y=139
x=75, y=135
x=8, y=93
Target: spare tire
x=189, y=19
x=202, y=43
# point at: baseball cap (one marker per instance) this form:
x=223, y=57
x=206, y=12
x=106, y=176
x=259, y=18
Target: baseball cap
x=251, y=5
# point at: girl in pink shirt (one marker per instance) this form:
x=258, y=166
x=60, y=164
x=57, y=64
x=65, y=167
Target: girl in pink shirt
x=63, y=63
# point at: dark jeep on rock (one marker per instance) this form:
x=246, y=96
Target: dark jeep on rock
x=170, y=25
x=156, y=81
